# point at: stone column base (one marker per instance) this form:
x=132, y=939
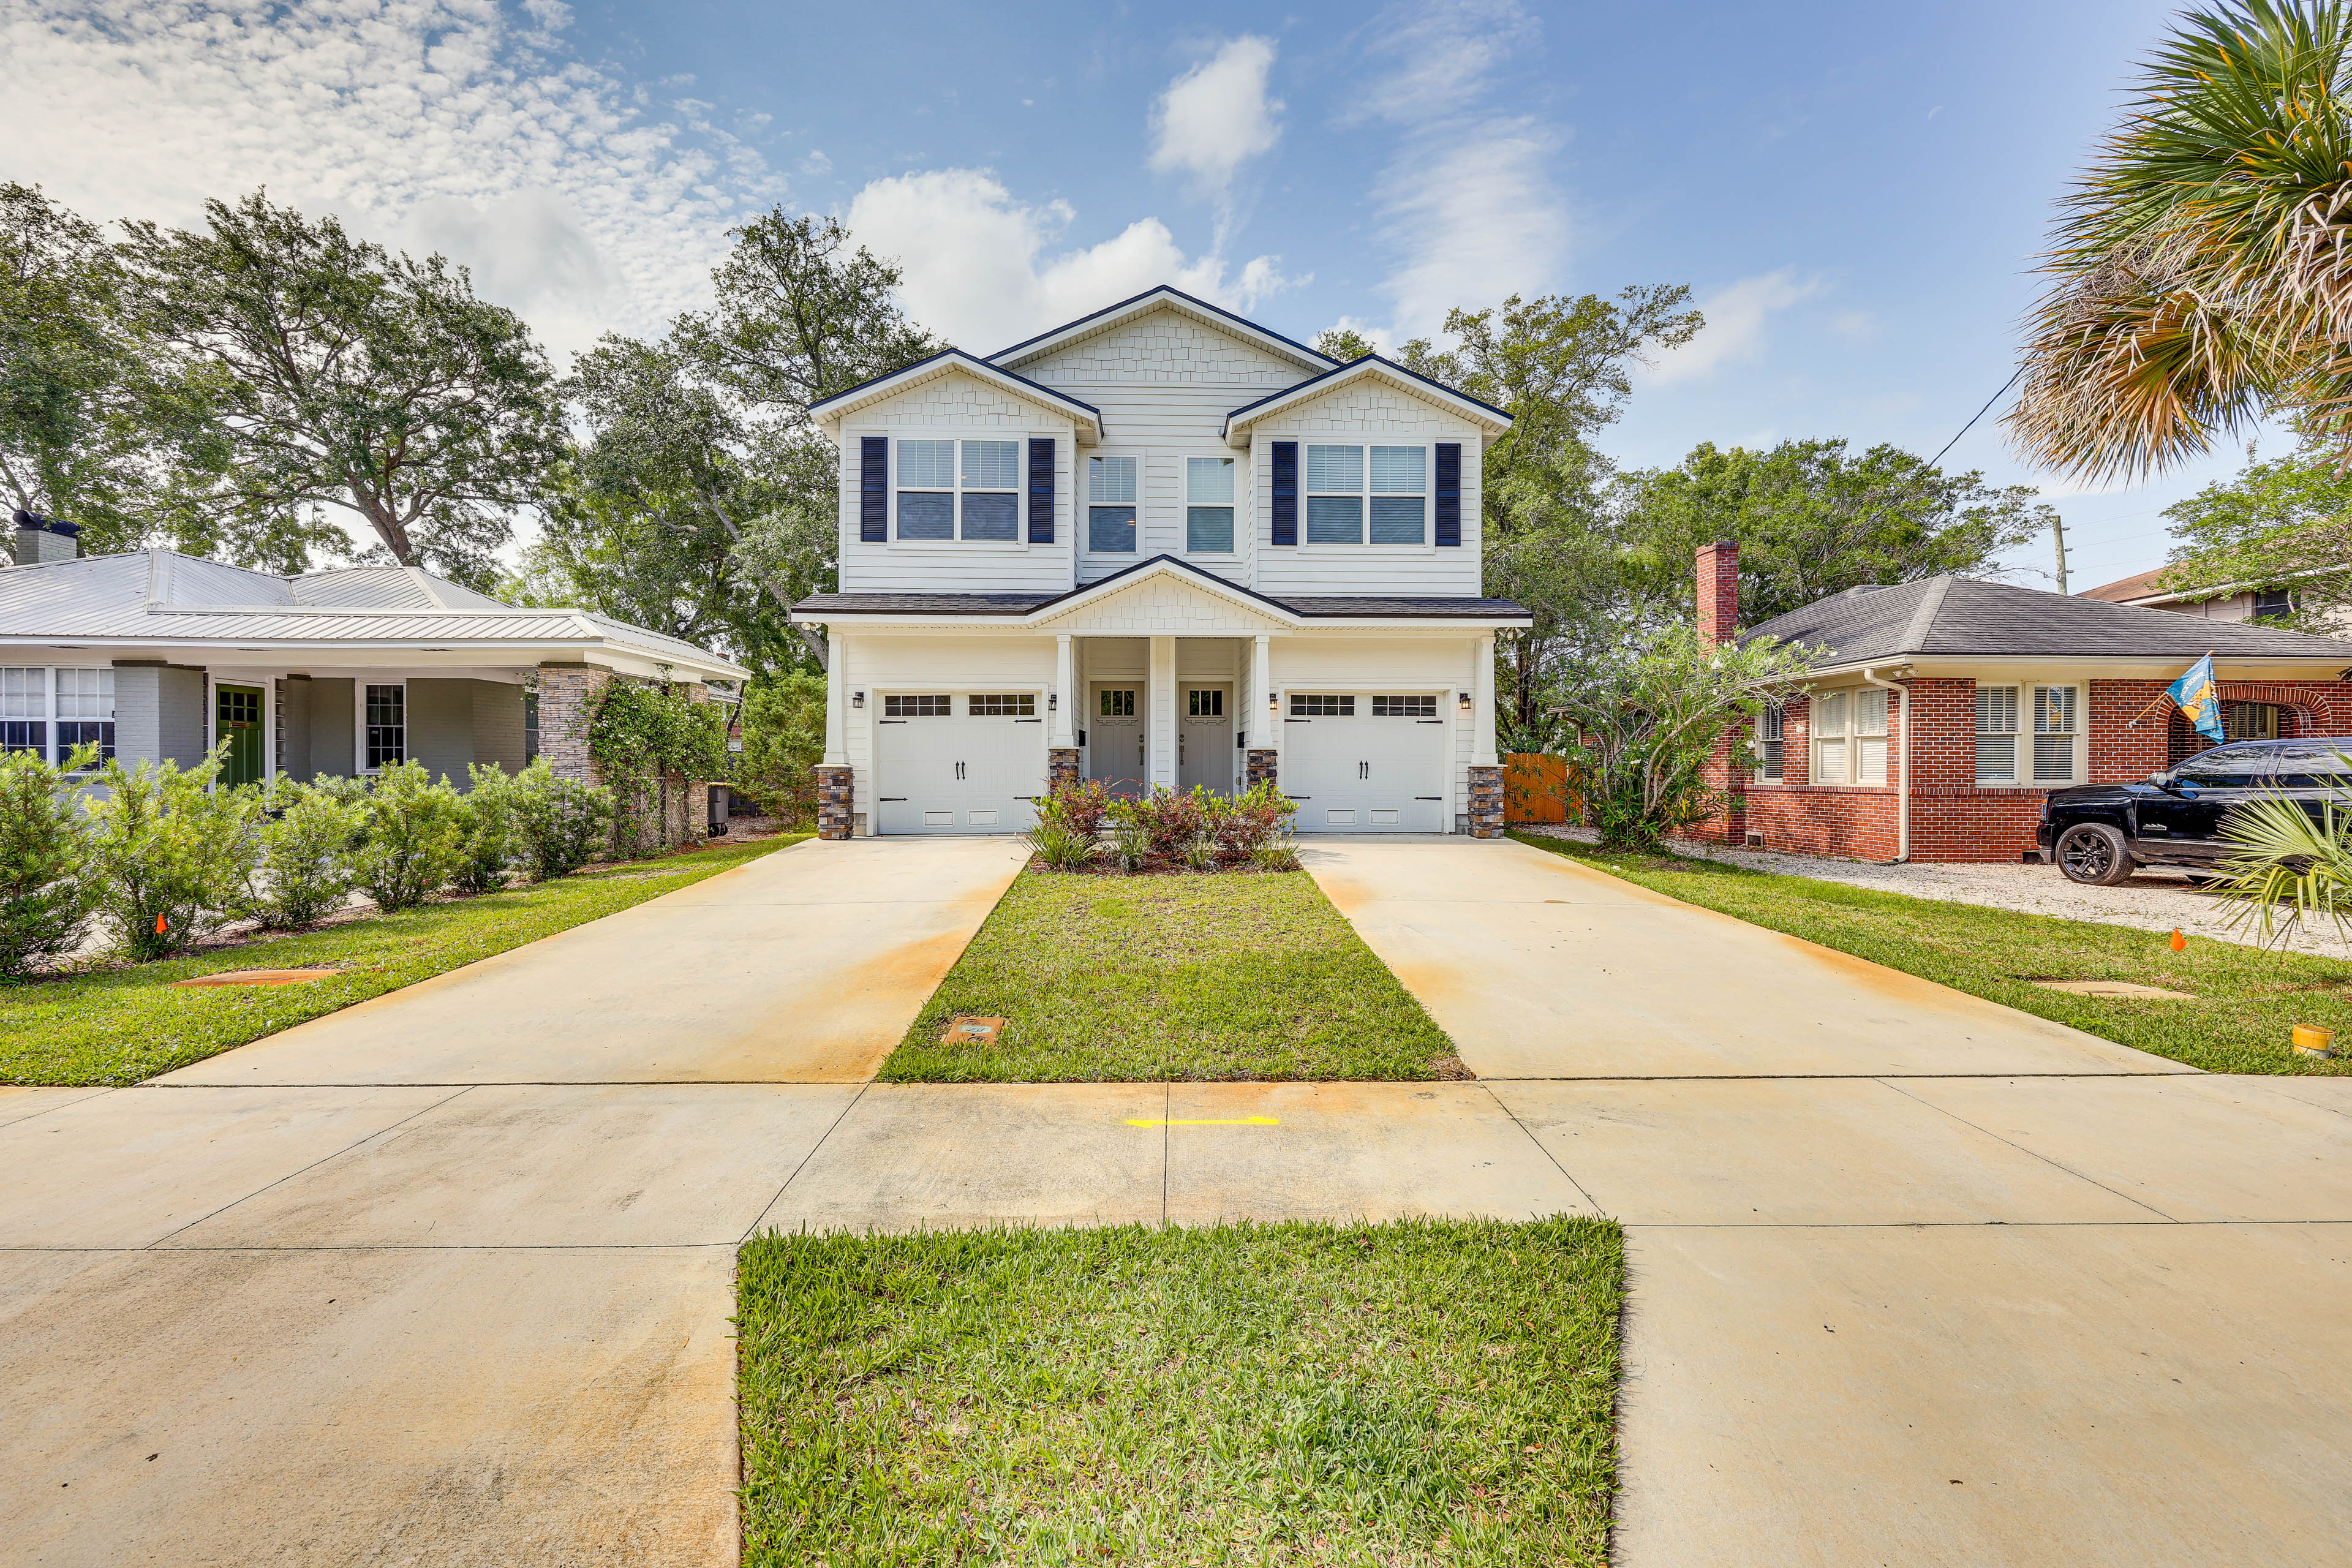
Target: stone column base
x=1486, y=803
x=1263, y=768
x=837, y=802
x=1061, y=768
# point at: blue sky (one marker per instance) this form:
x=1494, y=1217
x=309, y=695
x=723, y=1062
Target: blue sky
x=1854, y=192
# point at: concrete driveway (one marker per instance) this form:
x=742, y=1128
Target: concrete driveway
x=445, y=1279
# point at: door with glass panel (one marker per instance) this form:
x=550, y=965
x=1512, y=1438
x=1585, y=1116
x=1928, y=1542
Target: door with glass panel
x=1115, y=739
x=236, y=723
x=1205, y=738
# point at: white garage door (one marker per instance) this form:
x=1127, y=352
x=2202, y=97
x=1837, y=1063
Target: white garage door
x=1365, y=761
x=958, y=762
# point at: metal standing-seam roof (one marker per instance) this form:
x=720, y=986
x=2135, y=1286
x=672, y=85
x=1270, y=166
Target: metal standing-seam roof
x=1965, y=616
x=160, y=597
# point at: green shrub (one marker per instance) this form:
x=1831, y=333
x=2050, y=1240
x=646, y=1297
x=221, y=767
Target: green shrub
x=783, y=741
x=559, y=825
x=414, y=838
x=171, y=856
x=45, y=893
x=302, y=868
x=1068, y=821
x=490, y=831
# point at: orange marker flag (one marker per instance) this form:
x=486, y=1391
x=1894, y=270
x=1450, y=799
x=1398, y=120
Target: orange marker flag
x=2179, y=940
x=159, y=925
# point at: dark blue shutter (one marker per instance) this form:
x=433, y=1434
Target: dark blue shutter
x=1449, y=492
x=1040, y=491
x=873, y=492
x=1285, y=492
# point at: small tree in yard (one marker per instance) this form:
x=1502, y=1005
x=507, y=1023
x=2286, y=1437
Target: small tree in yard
x=171, y=855
x=45, y=898
x=1646, y=723
x=783, y=741
x=302, y=869
x=413, y=840
x=559, y=825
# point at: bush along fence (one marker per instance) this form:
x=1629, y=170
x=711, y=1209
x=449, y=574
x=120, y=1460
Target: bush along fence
x=657, y=746
x=1081, y=827
x=157, y=858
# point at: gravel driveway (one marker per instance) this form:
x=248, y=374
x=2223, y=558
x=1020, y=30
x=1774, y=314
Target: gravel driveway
x=2155, y=900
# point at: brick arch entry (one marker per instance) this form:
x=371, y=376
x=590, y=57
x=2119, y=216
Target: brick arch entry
x=2309, y=714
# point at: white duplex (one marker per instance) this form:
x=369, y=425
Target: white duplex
x=1159, y=545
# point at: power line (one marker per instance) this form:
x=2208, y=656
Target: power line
x=1980, y=414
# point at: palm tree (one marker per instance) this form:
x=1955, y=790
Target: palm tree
x=2203, y=270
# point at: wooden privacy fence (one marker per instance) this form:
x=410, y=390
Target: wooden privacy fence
x=1534, y=788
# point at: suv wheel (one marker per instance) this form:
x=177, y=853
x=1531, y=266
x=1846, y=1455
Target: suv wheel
x=2094, y=853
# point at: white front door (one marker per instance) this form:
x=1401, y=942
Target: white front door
x=1365, y=761
x=1115, y=737
x=1205, y=738
x=959, y=762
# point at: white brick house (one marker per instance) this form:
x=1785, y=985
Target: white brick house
x=1159, y=545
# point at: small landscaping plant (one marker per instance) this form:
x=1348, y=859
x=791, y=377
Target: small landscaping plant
x=1161, y=830
x=1065, y=835
x=559, y=825
x=413, y=840
x=171, y=856
x=46, y=895
x=302, y=868
x=489, y=845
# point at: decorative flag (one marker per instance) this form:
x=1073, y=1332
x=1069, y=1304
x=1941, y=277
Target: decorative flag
x=2199, y=700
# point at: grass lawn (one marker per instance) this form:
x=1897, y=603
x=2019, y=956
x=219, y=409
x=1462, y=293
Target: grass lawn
x=1426, y=1392
x=1126, y=978
x=2245, y=999
x=121, y=1025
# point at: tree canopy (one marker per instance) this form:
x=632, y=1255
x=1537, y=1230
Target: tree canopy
x=2283, y=523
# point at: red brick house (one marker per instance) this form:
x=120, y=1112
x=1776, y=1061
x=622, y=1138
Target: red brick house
x=1945, y=710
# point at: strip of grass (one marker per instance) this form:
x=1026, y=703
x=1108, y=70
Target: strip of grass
x=121, y=1025
x=1425, y=1392
x=1132, y=979
x=2243, y=1001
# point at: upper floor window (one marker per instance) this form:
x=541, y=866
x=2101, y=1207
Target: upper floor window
x=1347, y=486
x=49, y=713
x=1110, y=505
x=2273, y=604
x=967, y=490
x=1209, y=506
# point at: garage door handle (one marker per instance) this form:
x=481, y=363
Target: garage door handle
x=890, y=799
x=1429, y=797
x=1298, y=721
x=892, y=721
x=1028, y=720
x=1302, y=797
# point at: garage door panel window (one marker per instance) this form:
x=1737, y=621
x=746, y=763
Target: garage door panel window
x=1320, y=706
x=1209, y=506
x=917, y=705
x=1004, y=705
x=1996, y=735
x=1422, y=707
x=2053, y=735
x=1110, y=505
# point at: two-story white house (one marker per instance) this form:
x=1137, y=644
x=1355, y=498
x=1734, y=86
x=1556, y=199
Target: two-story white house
x=1159, y=546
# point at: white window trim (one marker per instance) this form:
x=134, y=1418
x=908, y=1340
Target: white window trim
x=1082, y=502
x=958, y=543
x=2076, y=770
x=360, y=684
x=1756, y=774
x=1428, y=545
x=1184, y=504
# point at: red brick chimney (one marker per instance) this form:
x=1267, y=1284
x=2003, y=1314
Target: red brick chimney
x=1718, y=591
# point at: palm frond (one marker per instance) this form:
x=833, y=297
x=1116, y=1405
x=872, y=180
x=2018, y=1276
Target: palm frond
x=2286, y=871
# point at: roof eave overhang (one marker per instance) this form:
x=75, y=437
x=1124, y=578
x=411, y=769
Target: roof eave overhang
x=831, y=413
x=2306, y=666
x=1492, y=422
x=499, y=651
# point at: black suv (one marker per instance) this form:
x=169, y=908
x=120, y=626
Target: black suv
x=2100, y=833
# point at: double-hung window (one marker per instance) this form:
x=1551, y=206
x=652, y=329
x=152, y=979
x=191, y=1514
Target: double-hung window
x=1769, y=754
x=1347, y=485
x=1996, y=735
x=1870, y=736
x=24, y=711
x=1110, y=505
x=1830, y=711
x=49, y=713
x=1209, y=506
x=967, y=489
x=2053, y=735
x=386, y=726
x=85, y=712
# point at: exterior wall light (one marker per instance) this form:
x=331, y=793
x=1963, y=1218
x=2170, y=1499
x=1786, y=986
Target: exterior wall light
x=1462, y=701
x=1274, y=701
x=857, y=699
x=1052, y=701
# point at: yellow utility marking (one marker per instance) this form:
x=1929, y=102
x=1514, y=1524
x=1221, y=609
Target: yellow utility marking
x=1206, y=1122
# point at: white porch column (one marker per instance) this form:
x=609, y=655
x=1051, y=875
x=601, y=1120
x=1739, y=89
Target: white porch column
x=1265, y=724
x=1482, y=709
x=1163, y=711
x=836, y=702
x=1062, y=728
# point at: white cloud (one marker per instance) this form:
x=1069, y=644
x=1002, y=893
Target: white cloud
x=1738, y=322
x=1216, y=116
x=979, y=273
x=1467, y=201
x=445, y=123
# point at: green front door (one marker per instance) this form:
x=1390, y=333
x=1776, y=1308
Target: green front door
x=236, y=716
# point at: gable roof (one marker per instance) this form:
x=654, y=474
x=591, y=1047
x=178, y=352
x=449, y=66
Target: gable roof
x=1296, y=609
x=1967, y=616
x=1309, y=360
x=831, y=411
x=163, y=598
x=1489, y=418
